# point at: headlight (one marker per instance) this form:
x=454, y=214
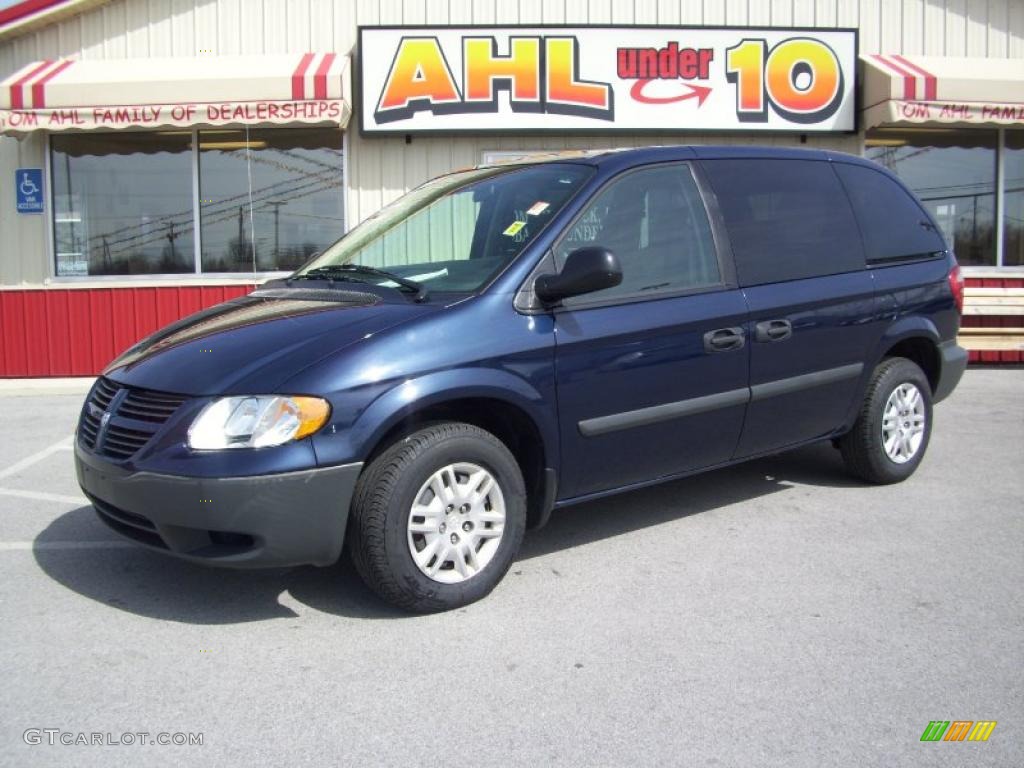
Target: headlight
x=256, y=421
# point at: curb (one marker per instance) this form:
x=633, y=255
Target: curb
x=44, y=387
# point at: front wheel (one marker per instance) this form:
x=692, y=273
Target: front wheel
x=438, y=517
x=890, y=437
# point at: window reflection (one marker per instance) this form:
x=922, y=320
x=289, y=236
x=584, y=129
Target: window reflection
x=295, y=176
x=122, y=203
x=1013, y=197
x=953, y=173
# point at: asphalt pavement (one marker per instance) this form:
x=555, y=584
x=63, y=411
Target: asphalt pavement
x=773, y=614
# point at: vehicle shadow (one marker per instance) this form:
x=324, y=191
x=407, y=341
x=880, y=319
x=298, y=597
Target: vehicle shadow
x=146, y=583
x=818, y=465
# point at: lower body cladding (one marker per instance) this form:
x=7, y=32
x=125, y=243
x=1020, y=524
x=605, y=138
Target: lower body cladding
x=952, y=364
x=294, y=518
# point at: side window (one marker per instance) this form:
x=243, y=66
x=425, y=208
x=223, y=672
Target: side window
x=787, y=219
x=892, y=222
x=654, y=221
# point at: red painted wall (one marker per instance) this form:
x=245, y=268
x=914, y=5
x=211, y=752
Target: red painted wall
x=76, y=332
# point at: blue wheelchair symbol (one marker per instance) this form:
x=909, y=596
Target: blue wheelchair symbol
x=28, y=186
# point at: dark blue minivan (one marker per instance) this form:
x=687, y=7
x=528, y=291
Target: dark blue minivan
x=512, y=339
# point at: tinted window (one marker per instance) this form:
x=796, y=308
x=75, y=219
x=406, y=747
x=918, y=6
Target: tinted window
x=654, y=221
x=953, y=173
x=787, y=219
x=891, y=221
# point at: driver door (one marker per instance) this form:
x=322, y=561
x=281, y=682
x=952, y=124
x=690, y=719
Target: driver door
x=652, y=375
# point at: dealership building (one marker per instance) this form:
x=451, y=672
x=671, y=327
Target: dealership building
x=161, y=156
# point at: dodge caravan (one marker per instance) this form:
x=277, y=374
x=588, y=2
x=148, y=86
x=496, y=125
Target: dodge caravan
x=509, y=340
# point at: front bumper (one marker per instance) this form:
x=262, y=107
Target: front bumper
x=293, y=518
x=953, y=363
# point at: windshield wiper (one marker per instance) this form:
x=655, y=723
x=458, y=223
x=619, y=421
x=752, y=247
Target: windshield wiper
x=343, y=271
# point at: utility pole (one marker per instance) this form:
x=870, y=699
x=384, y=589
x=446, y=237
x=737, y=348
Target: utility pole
x=241, y=235
x=276, y=205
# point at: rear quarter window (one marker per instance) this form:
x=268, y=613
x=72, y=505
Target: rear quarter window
x=892, y=222
x=786, y=219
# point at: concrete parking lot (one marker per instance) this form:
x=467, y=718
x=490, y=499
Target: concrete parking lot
x=773, y=614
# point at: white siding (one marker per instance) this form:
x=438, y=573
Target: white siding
x=380, y=169
x=984, y=28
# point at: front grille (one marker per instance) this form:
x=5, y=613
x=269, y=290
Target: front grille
x=155, y=407
x=122, y=443
x=135, y=416
x=104, y=392
x=88, y=429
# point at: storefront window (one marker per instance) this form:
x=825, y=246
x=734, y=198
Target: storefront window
x=122, y=203
x=296, y=197
x=1013, y=199
x=953, y=172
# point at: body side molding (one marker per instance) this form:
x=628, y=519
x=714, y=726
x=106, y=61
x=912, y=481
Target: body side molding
x=655, y=413
x=805, y=381
x=600, y=425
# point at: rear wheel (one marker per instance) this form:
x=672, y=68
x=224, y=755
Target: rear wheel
x=890, y=437
x=438, y=517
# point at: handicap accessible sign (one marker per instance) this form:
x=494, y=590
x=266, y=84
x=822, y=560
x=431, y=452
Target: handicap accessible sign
x=29, y=185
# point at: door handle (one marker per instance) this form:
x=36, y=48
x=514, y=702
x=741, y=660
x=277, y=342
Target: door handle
x=724, y=339
x=773, y=330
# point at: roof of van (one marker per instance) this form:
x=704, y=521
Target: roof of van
x=625, y=157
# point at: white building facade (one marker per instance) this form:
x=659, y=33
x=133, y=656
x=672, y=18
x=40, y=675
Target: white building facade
x=157, y=156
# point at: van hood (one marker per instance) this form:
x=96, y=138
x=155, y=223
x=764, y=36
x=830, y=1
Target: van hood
x=254, y=344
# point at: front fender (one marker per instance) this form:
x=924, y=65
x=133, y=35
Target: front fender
x=410, y=396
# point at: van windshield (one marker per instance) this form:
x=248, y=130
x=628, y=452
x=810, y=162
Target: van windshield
x=456, y=232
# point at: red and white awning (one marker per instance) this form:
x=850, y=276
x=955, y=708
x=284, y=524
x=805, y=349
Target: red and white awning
x=111, y=94
x=942, y=91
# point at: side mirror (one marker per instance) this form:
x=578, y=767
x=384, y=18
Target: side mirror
x=586, y=270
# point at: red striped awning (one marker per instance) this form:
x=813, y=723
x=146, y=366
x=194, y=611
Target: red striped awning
x=902, y=90
x=69, y=94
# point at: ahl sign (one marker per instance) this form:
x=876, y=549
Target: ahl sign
x=606, y=78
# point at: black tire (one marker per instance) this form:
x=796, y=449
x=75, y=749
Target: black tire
x=377, y=536
x=862, y=447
